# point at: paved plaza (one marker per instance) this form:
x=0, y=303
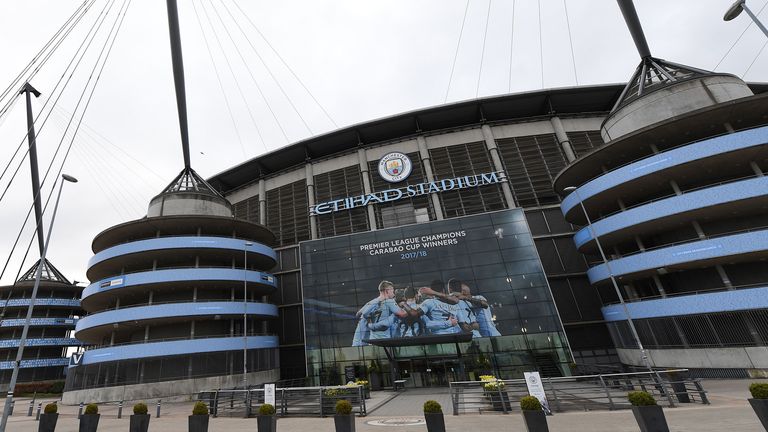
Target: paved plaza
x=729, y=411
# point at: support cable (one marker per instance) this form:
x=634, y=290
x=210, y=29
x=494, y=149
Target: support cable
x=285, y=63
x=40, y=128
x=237, y=83
x=482, y=51
x=456, y=54
x=739, y=38
x=221, y=86
x=113, y=35
x=13, y=86
x=274, y=78
x=744, y=75
x=511, y=44
x=570, y=41
x=84, y=45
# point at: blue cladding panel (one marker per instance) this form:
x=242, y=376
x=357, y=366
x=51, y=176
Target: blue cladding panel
x=174, y=275
x=179, y=347
x=35, y=322
x=736, y=244
x=180, y=243
x=13, y=343
x=35, y=363
x=723, y=301
x=712, y=196
x=140, y=313
x=662, y=161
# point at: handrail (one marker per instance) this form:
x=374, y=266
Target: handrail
x=681, y=294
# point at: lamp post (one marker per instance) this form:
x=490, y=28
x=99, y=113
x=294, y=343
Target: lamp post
x=607, y=263
x=245, y=314
x=736, y=9
x=23, y=340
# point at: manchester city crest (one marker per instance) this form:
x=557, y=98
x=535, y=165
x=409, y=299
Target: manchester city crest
x=395, y=167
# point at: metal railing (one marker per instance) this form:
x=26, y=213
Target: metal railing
x=580, y=393
x=289, y=401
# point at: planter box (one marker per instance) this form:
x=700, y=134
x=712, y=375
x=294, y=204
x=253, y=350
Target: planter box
x=761, y=410
x=89, y=422
x=139, y=423
x=535, y=421
x=650, y=418
x=266, y=423
x=47, y=422
x=435, y=422
x=198, y=423
x=499, y=400
x=344, y=423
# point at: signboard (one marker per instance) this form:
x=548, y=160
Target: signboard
x=408, y=191
x=349, y=373
x=269, y=394
x=536, y=389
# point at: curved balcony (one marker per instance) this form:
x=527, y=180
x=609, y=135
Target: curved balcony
x=35, y=363
x=112, y=260
x=176, y=347
x=609, y=186
x=720, y=301
x=38, y=322
x=92, y=327
x=258, y=282
x=666, y=213
x=46, y=301
x=14, y=343
x=726, y=248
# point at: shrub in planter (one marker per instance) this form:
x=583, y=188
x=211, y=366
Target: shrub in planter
x=90, y=419
x=649, y=415
x=140, y=418
x=534, y=416
x=495, y=391
x=344, y=420
x=49, y=418
x=366, y=387
x=759, y=402
x=198, y=421
x=266, y=421
x=433, y=414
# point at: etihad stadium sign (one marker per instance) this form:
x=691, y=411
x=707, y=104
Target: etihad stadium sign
x=409, y=191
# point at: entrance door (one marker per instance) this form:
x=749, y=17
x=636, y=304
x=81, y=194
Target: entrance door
x=430, y=372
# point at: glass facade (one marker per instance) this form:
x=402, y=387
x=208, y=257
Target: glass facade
x=433, y=302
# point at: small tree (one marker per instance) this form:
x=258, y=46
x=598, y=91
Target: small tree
x=51, y=408
x=641, y=398
x=530, y=403
x=200, y=408
x=267, y=410
x=432, y=407
x=140, y=409
x=759, y=390
x=343, y=407
x=91, y=408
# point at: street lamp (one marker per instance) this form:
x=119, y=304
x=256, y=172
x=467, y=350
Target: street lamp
x=613, y=278
x=23, y=340
x=736, y=9
x=245, y=314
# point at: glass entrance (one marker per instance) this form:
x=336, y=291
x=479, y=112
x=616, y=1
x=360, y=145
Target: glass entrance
x=433, y=372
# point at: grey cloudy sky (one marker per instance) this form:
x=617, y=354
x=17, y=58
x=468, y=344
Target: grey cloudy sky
x=361, y=60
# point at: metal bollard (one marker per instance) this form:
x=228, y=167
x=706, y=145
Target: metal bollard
x=13, y=404
x=80, y=411
x=120, y=410
x=158, y=409
x=31, y=407
x=39, y=407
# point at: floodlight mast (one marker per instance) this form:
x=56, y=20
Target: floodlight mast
x=736, y=9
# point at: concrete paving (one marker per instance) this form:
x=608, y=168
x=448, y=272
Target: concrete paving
x=729, y=411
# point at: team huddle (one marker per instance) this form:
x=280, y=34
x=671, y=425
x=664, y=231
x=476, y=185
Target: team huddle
x=437, y=310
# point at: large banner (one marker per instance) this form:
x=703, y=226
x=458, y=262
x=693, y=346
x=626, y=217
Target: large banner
x=476, y=276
